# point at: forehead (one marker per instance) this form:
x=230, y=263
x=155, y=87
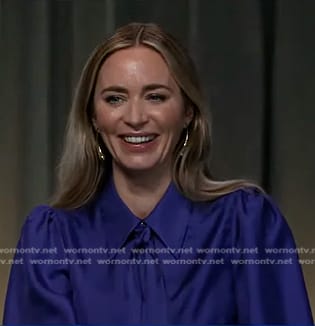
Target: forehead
x=135, y=65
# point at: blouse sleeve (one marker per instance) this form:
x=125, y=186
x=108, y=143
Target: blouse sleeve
x=269, y=282
x=39, y=290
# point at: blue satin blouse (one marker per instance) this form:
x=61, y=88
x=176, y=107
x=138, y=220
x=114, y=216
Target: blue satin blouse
x=186, y=263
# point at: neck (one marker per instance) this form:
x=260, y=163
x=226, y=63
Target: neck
x=141, y=191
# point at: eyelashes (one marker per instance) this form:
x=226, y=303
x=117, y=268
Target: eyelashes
x=116, y=100
x=113, y=99
x=155, y=97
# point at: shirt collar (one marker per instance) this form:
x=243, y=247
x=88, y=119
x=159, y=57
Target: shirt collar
x=169, y=218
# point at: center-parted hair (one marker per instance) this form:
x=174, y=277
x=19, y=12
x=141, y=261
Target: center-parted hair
x=81, y=173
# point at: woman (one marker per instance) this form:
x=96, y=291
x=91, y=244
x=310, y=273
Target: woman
x=139, y=232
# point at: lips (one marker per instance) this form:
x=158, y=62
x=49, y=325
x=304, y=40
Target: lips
x=139, y=139
x=139, y=143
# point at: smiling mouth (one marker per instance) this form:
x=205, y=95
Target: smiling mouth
x=139, y=139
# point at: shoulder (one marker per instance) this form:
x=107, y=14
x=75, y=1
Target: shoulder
x=45, y=215
x=40, y=216
x=40, y=213
x=249, y=203
x=49, y=222
x=45, y=224
x=246, y=210
x=40, y=226
x=257, y=218
x=50, y=228
x=254, y=206
x=246, y=202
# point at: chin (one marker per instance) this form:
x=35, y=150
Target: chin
x=139, y=165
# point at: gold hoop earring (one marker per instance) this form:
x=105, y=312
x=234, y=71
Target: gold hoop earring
x=185, y=143
x=100, y=153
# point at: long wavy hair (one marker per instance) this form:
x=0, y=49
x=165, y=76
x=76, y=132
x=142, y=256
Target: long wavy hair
x=81, y=173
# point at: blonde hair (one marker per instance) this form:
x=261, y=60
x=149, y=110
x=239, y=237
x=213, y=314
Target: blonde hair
x=81, y=173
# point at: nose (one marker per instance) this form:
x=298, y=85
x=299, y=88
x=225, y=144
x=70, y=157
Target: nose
x=135, y=114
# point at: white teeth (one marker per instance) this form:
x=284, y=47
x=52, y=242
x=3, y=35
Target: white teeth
x=138, y=140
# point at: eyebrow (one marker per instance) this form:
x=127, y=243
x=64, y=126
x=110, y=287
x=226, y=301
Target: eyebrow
x=120, y=89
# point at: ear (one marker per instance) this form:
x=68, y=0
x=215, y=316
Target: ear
x=189, y=114
x=95, y=124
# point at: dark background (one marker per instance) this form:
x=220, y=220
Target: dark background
x=257, y=64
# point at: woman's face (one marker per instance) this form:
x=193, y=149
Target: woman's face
x=139, y=109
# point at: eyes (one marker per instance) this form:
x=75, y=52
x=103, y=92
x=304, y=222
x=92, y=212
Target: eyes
x=113, y=99
x=154, y=98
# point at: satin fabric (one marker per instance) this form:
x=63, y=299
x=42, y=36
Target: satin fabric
x=178, y=288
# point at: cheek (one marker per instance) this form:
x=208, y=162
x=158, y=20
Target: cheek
x=105, y=122
x=173, y=120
